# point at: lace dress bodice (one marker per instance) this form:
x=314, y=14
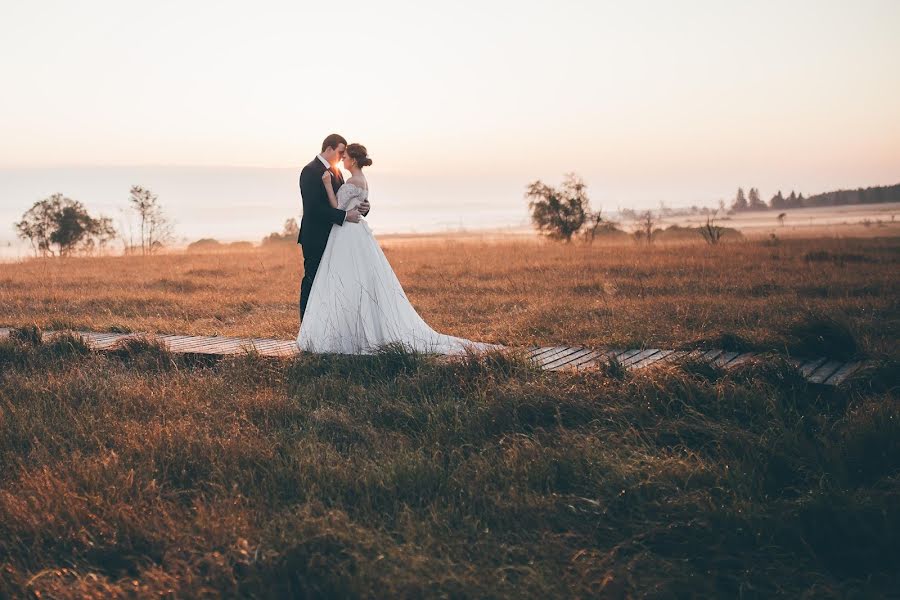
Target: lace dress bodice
x=350, y=195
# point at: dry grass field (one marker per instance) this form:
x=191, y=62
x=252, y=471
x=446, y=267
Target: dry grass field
x=516, y=292
x=137, y=473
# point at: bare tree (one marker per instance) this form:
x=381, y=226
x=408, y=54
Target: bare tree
x=644, y=227
x=595, y=225
x=780, y=218
x=155, y=228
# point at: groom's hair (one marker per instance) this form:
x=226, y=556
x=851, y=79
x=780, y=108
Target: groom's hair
x=332, y=141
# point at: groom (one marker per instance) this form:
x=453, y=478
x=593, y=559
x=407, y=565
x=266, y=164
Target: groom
x=318, y=214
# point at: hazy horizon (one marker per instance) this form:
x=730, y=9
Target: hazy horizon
x=461, y=106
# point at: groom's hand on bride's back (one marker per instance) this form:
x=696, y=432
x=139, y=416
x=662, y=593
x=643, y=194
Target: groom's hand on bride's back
x=363, y=207
x=353, y=216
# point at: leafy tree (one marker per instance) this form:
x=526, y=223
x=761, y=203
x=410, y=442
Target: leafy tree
x=740, y=201
x=559, y=212
x=792, y=201
x=155, y=226
x=60, y=226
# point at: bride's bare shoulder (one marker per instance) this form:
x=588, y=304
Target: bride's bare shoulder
x=359, y=181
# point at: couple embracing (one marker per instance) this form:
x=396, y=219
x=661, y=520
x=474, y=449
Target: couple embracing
x=351, y=302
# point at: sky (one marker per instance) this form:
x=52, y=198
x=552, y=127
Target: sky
x=650, y=101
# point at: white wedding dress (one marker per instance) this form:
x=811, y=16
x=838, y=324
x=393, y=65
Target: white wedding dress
x=357, y=303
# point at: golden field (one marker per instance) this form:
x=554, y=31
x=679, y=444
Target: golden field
x=510, y=291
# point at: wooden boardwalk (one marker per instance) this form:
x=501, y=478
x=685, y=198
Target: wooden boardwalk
x=552, y=358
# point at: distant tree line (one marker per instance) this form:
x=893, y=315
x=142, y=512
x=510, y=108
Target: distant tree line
x=562, y=213
x=871, y=195
x=60, y=226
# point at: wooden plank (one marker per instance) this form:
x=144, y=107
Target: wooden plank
x=567, y=359
x=652, y=360
x=825, y=371
x=572, y=354
x=211, y=349
x=180, y=344
x=270, y=341
x=262, y=345
x=710, y=355
x=231, y=346
x=674, y=356
x=541, y=351
x=811, y=365
x=110, y=342
x=98, y=337
x=681, y=356
x=636, y=358
x=205, y=345
x=741, y=358
x=544, y=350
x=548, y=356
x=590, y=361
x=283, y=348
x=117, y=337
x=544, y=361
x=561, y=359
x=623, y=356
x=725, y=358
x=841, y=375
x=224, y=349
x=171, y=341
x=92, y=341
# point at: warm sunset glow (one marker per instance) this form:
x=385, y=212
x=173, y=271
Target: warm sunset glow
x=656, y=101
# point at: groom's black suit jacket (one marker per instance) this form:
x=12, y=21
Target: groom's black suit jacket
x=318, y=214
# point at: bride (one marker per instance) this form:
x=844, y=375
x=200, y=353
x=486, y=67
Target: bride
x=356, y=302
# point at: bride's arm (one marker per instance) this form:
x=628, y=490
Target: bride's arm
x=329, y=189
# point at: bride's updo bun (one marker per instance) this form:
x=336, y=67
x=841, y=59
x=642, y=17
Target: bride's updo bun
x=359, y=153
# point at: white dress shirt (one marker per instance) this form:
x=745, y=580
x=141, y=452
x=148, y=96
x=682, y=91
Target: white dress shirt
x=328, y=166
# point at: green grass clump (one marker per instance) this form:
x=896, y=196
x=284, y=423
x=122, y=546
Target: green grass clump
x=402, y=475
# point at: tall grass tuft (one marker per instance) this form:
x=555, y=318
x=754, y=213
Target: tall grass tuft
x=819, y=334
x=31, y=335
x=144, y=352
